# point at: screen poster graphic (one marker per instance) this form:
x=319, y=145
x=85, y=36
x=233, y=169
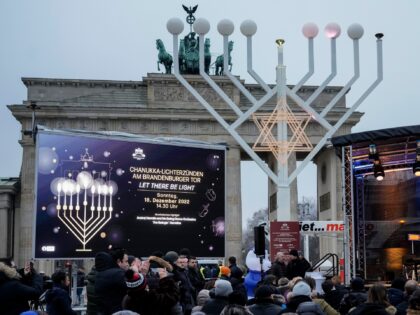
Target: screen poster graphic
x=92, y=192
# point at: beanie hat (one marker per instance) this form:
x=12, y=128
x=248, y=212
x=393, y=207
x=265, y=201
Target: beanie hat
x=301, y=288
x=202, y=297
x=222, y=288
x=224, y=271
x=264, y=292
x=171, y=257
x=134, y=280
x=357, y=284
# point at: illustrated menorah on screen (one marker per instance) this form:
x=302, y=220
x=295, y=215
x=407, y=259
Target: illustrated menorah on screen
x=84, y=195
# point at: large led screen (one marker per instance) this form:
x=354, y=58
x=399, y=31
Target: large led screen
x=94, y=191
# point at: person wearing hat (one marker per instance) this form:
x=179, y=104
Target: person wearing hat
x=297, y=266
x=301, y=301
x=224, y=273
x=222, y=289
x=264, y=303
x=146, y=301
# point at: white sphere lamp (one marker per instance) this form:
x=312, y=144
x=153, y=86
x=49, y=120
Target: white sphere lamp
x=332, y=30
x=201, y=26
x=175, y=26
x=225, y=27
x=248, y=28
x=355, y=31
x=310, y=30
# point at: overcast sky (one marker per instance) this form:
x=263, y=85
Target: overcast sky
x=115, y=40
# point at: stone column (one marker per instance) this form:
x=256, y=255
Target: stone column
x=233, y=210
x=6, y=204
x=329, y=197
x=25, y=217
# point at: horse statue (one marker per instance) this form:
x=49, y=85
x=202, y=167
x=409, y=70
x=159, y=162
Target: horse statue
x=163, y=57
x=219, y=60
x=207, y=55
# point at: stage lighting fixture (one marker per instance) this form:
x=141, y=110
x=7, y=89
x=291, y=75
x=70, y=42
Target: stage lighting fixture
x=416, y=165
x=373, y=153
x=378, y=170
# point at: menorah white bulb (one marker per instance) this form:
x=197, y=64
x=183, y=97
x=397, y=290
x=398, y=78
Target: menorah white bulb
x=225, y=27
x=201, y=26
x=310, y=30
x=332, y=30
x=248, y=28
x=175, y=26
x=355, y=31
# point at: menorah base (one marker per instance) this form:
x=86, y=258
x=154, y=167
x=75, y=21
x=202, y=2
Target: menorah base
x=83, y=250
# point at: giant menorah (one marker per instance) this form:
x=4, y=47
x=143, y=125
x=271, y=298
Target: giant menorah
x=84, y=204
x=272, y=139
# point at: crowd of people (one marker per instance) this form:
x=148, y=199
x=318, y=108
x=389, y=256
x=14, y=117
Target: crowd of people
x=174, y=284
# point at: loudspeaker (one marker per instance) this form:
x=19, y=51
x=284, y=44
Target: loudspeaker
x=259, y=240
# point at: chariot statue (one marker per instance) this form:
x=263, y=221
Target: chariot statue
x=188, y=54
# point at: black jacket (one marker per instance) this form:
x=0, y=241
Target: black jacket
x=294, y=303
x=14, y=295
x=369, y=309
x=334, y=297
x=215, y=305
x=185, y=288
x=92, y=299
x=159, y=301
x=352, y=299
x=265, y=309
x=395, y=296
x=110, y=286
x=279, y=269
x=297, y=268
x=58, y=301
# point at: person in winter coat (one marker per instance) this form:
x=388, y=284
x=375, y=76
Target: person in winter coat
x=409, y=288
x=331, y=295
x=92, y=303
x=279, y=267
x=58, y=299
x=264, y=303
x=301, y=302
x=14, y=296
x=325, y=307
x=215, y=305
x=146, y=301
x=297, y=266
x=185, y=287
x=377, y=303
x=110, y=286
x=414, y=303
x=356, y=296
x=396, y=291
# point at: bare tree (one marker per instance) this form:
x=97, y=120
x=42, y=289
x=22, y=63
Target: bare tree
x=259, y=217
